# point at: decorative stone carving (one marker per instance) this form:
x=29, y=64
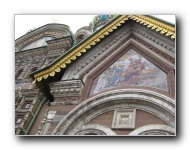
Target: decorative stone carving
x=94, y=129
x=70, y=88
x=83, y=33
x=153, y=129
x=94, y=56
x=110, y=45
x=157, y=39
x=51, y=114
x=42, y=123
x=124, y=119
x=152, y=102
x=54, y=30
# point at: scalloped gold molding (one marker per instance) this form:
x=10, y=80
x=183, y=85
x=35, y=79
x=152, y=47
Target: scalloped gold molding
x=146, y=21
x=155, y=25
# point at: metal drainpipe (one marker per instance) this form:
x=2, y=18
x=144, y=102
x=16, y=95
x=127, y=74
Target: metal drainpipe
x=35, y=115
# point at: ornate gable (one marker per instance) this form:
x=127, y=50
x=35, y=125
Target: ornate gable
x=131, y=69
x=60, y=65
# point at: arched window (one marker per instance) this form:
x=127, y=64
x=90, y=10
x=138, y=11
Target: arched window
x=39, y=43
x=18, y=73
x=30, y=71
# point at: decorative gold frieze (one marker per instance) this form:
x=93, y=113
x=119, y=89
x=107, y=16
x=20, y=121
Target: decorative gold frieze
x=83, y=48
x=155, y=25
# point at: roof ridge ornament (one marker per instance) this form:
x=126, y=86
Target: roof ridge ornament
x=155, y=25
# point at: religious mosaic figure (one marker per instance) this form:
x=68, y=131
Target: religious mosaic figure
x=130, y=70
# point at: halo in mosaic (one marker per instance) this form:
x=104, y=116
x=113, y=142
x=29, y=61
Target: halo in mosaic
x=131, y=69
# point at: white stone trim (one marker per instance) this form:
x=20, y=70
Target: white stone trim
x=154, y=54
x=125, y=112
x=156, y=45
x=130, y=41
x=152, y=102
x=149, y=35
x=154, y=127
x=99, y=52
x=96, y=54
x=93, y=128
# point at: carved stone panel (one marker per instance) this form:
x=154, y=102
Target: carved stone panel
x=66, y=88
x=124, y=119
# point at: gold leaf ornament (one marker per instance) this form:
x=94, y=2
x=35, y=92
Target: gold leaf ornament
x=52, y=73
x=68, y=61
x=78, y=54
x=73, y=58
x=83, y=51
x=57, y=70
x=63, y=66
x=39, y=79
x=97, y=40
x=45, y=76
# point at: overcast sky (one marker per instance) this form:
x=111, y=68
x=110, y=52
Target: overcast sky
x=23, y=23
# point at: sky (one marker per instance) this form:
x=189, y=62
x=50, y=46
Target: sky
x=24, y=23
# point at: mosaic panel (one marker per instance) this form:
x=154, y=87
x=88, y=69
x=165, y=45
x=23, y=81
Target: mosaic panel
x=131, y=69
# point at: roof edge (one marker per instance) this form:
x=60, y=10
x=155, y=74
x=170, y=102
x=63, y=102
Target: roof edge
x=161, y=20
x=85, y=45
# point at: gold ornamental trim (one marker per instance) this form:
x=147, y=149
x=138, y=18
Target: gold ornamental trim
x=83, y=48
x=155, y=25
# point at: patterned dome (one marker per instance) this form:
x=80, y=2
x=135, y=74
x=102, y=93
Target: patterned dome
x=100, y=20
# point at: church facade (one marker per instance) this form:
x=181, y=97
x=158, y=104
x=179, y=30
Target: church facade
x=114, y=77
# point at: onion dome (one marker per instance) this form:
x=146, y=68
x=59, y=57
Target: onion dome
x=100, y=20
x=83, y=32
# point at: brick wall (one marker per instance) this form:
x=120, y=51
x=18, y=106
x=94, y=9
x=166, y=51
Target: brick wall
x=60, y=110
x=142, y=118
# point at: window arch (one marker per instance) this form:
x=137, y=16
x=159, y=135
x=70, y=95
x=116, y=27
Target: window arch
x=152, y=102
x=94, y=129
x=153, y=129
x=39, y=43
x=30, y=71
x=18, y=73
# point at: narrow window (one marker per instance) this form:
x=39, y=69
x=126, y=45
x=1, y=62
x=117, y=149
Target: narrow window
x=19, y=119
x=30, y=71
x=27, y=105
x=18, y=73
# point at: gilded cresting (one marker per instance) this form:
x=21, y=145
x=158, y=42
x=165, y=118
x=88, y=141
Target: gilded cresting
x=155, y=25
x=149, y=22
